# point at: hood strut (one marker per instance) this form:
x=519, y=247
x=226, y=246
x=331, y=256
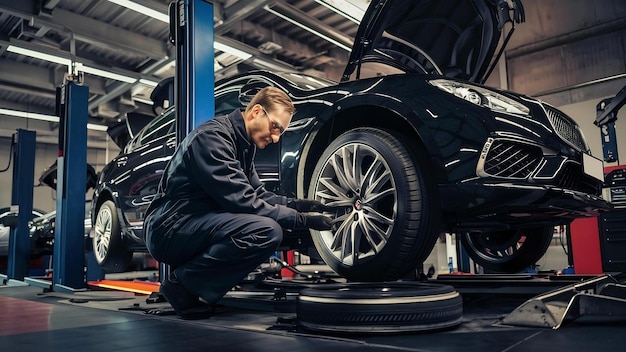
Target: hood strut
x=504, y=12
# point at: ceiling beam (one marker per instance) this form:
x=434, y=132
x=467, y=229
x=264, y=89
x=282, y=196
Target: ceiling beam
x=237, y=12
x=235, y=23
x=32, y=91
x=107, y=36
x=264, y=34
x=119, y=88
x=96, y=32
x=308, y=21
x=29, y=75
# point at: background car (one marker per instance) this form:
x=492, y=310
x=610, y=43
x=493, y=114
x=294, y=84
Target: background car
x=8, y=217
x=42, y=229
x=410, y=142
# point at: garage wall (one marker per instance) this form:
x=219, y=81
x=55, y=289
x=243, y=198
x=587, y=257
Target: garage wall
x=570, y=53
x=44, y=197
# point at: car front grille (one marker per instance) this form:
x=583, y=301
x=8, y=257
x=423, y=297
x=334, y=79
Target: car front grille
x=510, y=159
x=573, y=178
x=565, y=128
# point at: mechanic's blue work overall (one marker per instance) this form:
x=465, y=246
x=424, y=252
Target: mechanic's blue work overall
x=209, y=244
x=214, y=222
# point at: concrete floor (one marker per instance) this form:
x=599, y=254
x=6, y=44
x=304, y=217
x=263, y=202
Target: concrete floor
x=96, y=320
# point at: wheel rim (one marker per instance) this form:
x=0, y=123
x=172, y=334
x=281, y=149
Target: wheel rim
x=102, y=230
x=496, y=247
x=358, y=178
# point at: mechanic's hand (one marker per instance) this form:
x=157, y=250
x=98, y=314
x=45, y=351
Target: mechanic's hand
x=306, y=205
x=315, y=221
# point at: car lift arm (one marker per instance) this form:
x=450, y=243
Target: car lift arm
x=606, y=110
x=606, y=115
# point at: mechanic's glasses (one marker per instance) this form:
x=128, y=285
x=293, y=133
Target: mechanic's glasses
x=275, y=125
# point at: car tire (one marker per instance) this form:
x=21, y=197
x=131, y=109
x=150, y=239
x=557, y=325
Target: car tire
x=108, y=246
x=379, y=307
x=509, y=251
x=391, y=216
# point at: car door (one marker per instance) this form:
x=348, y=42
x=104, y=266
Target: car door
x=141, y=165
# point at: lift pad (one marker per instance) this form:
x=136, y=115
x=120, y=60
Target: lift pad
x=142, y=287
x=600, y=299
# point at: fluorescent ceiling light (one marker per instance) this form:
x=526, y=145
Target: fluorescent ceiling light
x=105, y=74
x=39, y=55
x=142, y=100
x=345, y=8
x=165, y=18
x=29, y=115
x=148, y=82
x=142, y=9
x=79, y=66
x=308, y=29
x=230, y=50
x=94, y=127
x=44, y=117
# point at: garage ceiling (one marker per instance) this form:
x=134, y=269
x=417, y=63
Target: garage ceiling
x=560, y=53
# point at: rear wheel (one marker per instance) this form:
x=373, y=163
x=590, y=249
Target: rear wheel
x=108, y=247
x=391, y=218
x=508, y=251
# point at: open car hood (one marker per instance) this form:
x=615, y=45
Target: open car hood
x=455, y=38
x=124, y=131
x=49, y=177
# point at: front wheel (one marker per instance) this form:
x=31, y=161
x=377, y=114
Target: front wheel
x=508, y=251
x=108, y=247
x=391, y=217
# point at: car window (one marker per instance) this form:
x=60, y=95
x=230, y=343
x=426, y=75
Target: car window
x=159, y=127
x=227, y=101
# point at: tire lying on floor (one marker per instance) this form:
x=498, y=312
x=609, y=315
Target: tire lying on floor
x=379, y=307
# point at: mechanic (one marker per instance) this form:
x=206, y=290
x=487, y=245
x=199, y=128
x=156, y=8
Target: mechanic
x=215, y=222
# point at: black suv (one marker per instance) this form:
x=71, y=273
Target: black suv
x=409, y=140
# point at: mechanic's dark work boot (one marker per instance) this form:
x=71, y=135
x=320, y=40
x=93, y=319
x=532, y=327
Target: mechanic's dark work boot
x=184, y=303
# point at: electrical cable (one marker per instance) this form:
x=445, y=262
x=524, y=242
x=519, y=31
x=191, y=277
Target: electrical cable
x=286, y=265
x=10, y=154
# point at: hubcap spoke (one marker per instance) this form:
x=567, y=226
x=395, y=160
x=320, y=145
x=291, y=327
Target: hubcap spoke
x=103, y=233
x=358, y=175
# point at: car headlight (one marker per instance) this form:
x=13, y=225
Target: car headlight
x=481, y=97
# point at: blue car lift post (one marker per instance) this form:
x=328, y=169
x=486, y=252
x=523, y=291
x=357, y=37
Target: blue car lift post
x=22, y=200
x=69, y=243
x=191, y=30
x=68, y=262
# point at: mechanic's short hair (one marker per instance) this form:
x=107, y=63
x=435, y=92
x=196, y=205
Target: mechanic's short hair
x=271, y=98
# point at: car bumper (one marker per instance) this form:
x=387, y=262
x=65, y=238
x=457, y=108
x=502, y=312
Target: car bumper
x=504, y=205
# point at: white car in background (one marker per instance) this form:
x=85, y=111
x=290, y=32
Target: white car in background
x=5, y=230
